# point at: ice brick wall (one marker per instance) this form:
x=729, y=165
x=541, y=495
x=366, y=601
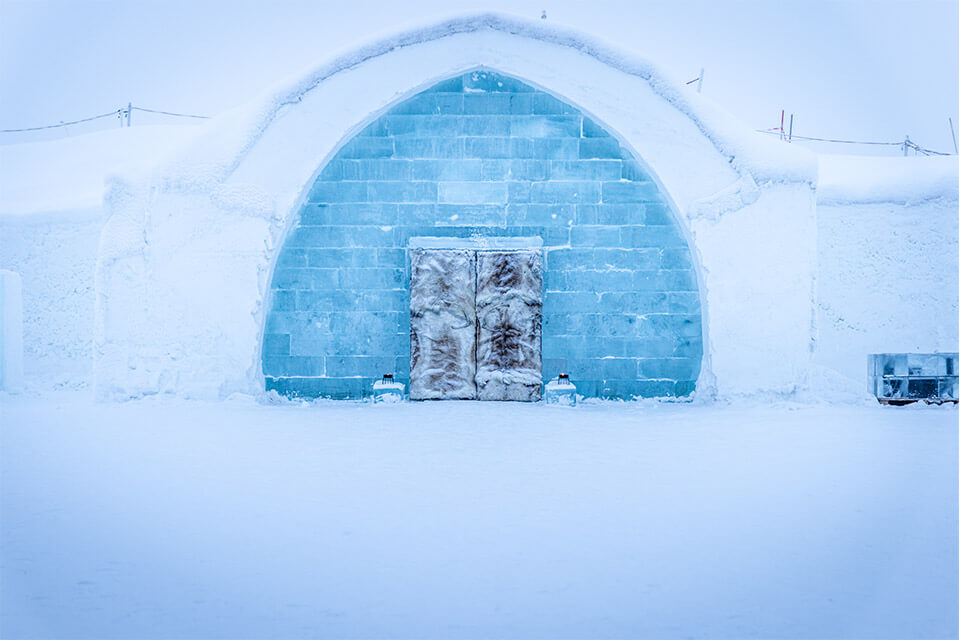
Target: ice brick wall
x=485, y=155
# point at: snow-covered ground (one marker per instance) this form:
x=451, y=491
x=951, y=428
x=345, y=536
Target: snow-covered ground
x=163, y=518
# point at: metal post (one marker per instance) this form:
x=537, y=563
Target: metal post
x=129, y=111
x=790, y=139
x=953, y=135
x=700, y=81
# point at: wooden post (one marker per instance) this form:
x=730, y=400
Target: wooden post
x=129, y=111
x=790, y=139
x=700, y=81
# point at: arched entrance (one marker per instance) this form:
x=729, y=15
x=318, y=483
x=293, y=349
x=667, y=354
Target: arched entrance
x=484, y=155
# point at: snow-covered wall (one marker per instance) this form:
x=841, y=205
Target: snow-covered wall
x=56, y=257
x=888, y=259
x=187, y=257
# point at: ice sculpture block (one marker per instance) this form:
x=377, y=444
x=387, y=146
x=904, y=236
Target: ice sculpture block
x=387, y=390
x=442, y=324
x=560, y=391
x=509, y=315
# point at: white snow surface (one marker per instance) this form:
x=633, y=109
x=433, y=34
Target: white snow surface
x=176, y=519
x=845, y=179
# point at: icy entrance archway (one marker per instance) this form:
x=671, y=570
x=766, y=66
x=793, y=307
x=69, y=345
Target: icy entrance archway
x=192, y=299
x=485, y=155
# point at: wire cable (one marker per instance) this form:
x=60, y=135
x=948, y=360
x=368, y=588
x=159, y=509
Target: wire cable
x=927, y=152
x=170, y=113
x=909, y=144
x=117, y=112
x=64, y=124
x=776, y=132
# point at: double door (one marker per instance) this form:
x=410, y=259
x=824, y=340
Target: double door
x=475, y=324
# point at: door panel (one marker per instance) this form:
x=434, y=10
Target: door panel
x=442, y=324
x=509, y=307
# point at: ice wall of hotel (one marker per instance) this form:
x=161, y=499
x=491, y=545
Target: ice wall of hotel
x=483, y=155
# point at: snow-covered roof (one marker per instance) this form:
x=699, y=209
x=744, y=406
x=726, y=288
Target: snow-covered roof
x=68, y=174
x=66, y=177
x=765, y=158
x=863, y=179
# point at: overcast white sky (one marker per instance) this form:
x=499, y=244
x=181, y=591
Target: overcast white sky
x=857, y=69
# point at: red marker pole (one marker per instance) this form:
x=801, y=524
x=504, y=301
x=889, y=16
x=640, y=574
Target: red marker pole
x=781, y=123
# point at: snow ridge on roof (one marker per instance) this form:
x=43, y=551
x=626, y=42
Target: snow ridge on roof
x=233, y=134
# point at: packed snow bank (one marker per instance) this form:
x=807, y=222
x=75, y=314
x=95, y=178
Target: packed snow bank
x=64, y=179
x=909, y=180
x=464, y=520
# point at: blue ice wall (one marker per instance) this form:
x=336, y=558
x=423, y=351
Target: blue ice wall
x=485, y=155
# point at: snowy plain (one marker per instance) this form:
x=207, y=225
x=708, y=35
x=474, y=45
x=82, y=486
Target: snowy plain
x=162, y=518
